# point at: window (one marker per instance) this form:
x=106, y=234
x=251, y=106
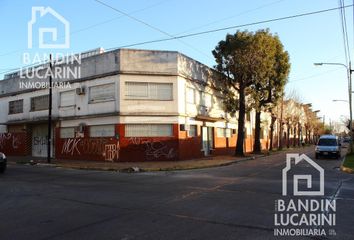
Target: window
x=148, y=130
x=221, y=132
x=148, y=91
x=102, y=131
x=227, y=132
x=261, y=133
x=104, y=92
x=248, y=116
x=40, y=103
x=190, y=95
x=67, y=98
x=206, y=99
x=16, y=106
x=192, y=131
x=67, y=132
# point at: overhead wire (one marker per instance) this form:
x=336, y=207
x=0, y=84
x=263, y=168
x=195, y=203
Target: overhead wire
x=226, y=28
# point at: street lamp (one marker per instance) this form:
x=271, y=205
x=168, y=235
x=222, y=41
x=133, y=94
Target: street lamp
x=340, y=100
x=349, y=74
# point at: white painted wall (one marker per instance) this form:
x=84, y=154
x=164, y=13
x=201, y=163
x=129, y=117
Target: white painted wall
x=148, y=107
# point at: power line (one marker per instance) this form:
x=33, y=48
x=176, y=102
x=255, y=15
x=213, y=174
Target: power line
x=344, y=32
x=232, y=27
x=229, y=17
x=97, y=24
x=313, y=76
x=150, y=26
x=227, y=28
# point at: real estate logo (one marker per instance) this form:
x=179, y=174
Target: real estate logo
x=297, y=177
x=41, y=12
x=48, y=29
x=303, y=211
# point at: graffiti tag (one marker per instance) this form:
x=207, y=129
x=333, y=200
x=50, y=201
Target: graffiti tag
x=112, y=152
x=154, y=149
x=70, y=146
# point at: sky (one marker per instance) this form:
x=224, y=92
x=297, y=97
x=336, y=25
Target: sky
x=308, y=39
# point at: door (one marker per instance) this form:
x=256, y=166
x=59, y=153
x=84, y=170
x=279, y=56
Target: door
x=207, y=140
x=40, y=140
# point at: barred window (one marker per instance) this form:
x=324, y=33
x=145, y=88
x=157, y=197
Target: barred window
x=148, y=130
x=192, y=131
x=102, y=93
x=16, y=106
x=206, y=99
x=67, y=132
x=102, y=131
x=40, y=103
x=67, y=98
x=148, y=91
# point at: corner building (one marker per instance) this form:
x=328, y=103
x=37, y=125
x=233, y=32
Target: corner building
x=127, y=105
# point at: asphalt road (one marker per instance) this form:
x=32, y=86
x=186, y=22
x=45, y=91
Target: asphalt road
x=231, y=202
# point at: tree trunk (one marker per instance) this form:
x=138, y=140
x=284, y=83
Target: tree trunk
x=288, y=135
x=241, y=123
x=280, y=146
x=294, y=137
x=257, y=135
x=299, y=135
x=271, y=133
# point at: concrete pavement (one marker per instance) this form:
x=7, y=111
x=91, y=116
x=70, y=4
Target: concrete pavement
x=229, y=202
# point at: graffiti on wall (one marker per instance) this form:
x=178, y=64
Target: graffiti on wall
x=96, y=147
x=112, y=152
x=9, y=138
x=70, y=146
x=154, y=149
x=40, y=140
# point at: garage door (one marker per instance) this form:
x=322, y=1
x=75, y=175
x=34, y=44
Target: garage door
x=39, y=141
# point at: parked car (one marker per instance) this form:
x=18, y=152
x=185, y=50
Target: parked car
x=3, y=162
x=328, y=146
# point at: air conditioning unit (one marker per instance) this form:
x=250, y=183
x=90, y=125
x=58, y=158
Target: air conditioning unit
x=203, y=110
x=185, y=127
x=81, y=90
x=81, y=127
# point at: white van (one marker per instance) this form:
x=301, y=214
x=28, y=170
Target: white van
x=328, y=146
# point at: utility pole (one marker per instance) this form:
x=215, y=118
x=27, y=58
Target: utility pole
x=349, y=75
x=49, y=141
x=350, y=106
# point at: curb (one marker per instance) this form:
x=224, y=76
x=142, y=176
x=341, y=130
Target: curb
x=125, y=170
x=129, y=170
x=345, y=169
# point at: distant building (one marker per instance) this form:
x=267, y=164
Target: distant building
x=127, y=105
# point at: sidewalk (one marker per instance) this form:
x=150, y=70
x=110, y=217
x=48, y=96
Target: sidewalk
x=212, y=161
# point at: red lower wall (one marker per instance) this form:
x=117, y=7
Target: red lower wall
x=119, y=148
x=15, y=144
x=148, y=148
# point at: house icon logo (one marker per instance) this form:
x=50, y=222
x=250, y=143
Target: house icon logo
x=37, y=14
x=297, y=177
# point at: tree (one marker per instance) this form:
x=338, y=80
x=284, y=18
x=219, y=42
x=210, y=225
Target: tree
x=234, y=60
x=271, y=75
x=249, y=62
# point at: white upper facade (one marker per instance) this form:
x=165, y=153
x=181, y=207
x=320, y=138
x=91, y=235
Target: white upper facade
x=127, y=85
